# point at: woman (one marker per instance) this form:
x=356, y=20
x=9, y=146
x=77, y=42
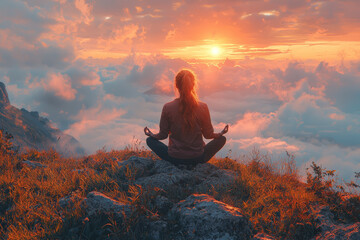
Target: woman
x=186, y=120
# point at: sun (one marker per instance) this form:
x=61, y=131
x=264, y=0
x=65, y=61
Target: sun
x=215, y=51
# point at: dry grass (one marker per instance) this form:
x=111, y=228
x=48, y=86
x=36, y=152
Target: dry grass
x=269, y=193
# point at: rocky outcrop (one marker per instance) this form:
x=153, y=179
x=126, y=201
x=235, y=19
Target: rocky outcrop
x=330, y=229
x=33, y=131
x=191, y=216
x=200, y=216
x=4, y=98
x=164, y=175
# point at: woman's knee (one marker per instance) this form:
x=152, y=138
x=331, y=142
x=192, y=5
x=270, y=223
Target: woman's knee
x=222, y=140
x=150, y=141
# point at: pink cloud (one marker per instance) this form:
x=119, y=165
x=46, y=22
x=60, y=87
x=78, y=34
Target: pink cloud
x=85, y=10
x=271, y=145
x=90, y=119
x=250, y=125
x=60, y=85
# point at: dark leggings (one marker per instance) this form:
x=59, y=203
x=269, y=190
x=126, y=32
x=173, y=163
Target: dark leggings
x=209, y=151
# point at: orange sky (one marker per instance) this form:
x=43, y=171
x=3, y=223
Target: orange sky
x=300, y=29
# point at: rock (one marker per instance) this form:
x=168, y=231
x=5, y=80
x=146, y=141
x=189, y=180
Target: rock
x=162, y=174
x=4, y=98
x=157, y=229
x=329, y=229
x=34, y=164
x=164, y=180
x=97, y=203
x=162, y=204
x=137, y=165
x=219, y=178
x=161, y=166
x=343, y=231
x=70, y=200
x=200, y=216
x=263, y=236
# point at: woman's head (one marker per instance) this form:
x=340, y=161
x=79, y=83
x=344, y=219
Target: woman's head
x=186, y=82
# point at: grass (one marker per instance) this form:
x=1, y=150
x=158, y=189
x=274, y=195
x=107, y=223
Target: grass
x=268, y=192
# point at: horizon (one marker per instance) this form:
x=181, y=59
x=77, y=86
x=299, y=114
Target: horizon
x=285, y=75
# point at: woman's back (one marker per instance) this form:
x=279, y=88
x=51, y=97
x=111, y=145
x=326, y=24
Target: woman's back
x=185, y=143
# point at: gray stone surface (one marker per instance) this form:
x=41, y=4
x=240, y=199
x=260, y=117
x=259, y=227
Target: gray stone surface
x=164, y=175
x=69, y=201
x=330, y=229
x=137, y=165
x=200, y=216
x=97, y=202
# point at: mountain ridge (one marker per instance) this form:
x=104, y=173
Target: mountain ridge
x=30, y=130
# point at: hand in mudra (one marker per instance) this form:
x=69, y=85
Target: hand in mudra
x=225, y=130
x=148, y=132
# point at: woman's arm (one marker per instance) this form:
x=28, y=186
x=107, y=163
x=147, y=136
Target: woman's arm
x=164, y=126
x=207, y=128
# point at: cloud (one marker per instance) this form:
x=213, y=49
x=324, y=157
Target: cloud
x=60, y=85
x=89, y=119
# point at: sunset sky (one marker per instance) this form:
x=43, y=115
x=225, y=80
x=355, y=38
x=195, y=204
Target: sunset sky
x=284, y=74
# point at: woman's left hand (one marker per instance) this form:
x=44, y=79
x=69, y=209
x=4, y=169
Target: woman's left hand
x=225, y=130
x=148, y=132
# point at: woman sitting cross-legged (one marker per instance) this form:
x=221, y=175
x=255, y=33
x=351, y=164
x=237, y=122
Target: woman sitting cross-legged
x=185, y=120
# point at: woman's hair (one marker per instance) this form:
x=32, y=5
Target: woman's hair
x=186, y=83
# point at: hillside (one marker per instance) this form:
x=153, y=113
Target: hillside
x=130, y=194
x=32, y=131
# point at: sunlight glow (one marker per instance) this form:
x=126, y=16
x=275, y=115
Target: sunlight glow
x=107, y=18
x=215, y=51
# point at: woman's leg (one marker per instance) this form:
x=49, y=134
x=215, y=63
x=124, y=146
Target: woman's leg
x=213, y=147
x=158, y=147
x=162, y=151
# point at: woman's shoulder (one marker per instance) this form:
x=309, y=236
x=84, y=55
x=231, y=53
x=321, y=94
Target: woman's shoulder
x=172, y=104
x=202, y=104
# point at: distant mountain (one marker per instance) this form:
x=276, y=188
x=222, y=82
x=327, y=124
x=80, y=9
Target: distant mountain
x=32, y=131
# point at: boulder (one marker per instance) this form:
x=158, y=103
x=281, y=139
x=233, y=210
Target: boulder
x=157, y=230
x=200, y=216
x=137, y=165
x=70, y=200
x=97, y=203
x=330, y=229
x=162, y=204
x=164, y=175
